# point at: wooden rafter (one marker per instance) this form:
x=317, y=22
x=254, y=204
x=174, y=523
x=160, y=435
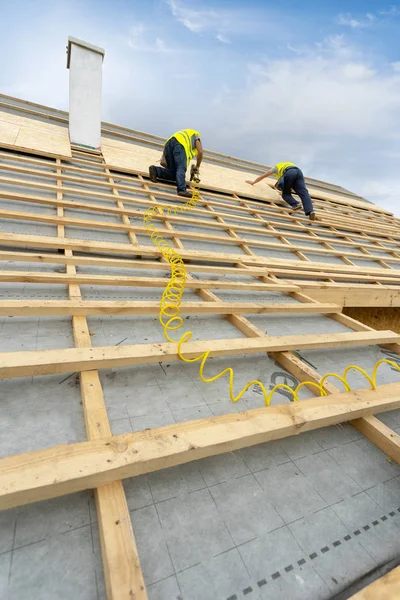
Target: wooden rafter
x=254, y=229
x=70, y=468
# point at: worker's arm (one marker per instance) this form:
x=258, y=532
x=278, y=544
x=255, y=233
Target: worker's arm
x=267, y=174
x=199, y=153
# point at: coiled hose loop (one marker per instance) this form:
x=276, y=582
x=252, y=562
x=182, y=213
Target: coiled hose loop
x=170, y=319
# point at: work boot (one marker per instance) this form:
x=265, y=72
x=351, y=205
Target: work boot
x=185, y=194
x=297, y=207
x=312, y=216
x=153, y=174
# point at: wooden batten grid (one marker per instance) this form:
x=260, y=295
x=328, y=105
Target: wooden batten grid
x=245, y=235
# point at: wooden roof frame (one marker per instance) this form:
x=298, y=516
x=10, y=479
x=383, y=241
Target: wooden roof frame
x=102, y=461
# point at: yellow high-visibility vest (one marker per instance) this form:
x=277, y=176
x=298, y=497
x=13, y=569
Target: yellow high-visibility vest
x=184, y=137
x=281, y=168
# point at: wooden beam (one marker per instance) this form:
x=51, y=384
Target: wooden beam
x=94, y=261
x=71, y=468
x=354, y=218
x=64, y=278
x=357, y=297
x=350, y=224
x=24, y=308
x=46, y=362
x=33, y=241
x=385, y=588
x=122, y=572
x=11, y=239
x=383, y=437
x=126, y=226
x=254, y=271
x=103, y=183
x=36, y=241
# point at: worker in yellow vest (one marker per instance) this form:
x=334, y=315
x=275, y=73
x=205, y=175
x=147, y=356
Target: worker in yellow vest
x=179, y=150
x=290, y=178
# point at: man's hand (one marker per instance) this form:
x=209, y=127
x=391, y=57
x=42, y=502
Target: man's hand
x=194, y=174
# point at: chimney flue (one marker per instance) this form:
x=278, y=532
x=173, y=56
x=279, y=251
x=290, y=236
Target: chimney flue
x=84, y=62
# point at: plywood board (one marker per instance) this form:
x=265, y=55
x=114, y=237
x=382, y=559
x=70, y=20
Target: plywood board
x=133, y=157
x=8, y=133
x=129, y=157
x=224, y=178
x=38, y=137
x=43, y=142
x=31, y=123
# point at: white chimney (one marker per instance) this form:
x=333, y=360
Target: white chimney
x=84, y=62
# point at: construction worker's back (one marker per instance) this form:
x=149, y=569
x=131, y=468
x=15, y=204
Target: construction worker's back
x=281, y=168
x=187, y=137
x=179, y=149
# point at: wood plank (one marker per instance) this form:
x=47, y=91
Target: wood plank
x=33, y=241
x=46, y=362
x=386, y=439
x=382, y=436
x=12, y=239
x=122, y=572
x=219, y=204
x=127, y=156
x=63, y=278
x=195, y=268
x=8, y=133
x=124, y=263
x=35, y=136
x=126, y=226
x=121, y=566
x=71, y=468
x=373, y=297
x=23, y=308
x=120, y=186
x=215, y=157
x=25, y=170
x=385, y=588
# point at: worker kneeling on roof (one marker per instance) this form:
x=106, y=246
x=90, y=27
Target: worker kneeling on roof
x=179, y=150
x=290, y=178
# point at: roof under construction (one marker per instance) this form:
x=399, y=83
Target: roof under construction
x=123, y=474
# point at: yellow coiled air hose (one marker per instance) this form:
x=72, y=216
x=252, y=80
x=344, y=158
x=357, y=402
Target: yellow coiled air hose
x=170, y=319
x=169, y=315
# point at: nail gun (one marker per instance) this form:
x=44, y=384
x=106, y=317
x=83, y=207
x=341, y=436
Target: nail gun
x=194, y=174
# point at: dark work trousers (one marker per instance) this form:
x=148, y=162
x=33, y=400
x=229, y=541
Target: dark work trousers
x=175, y=157
x=293, y=179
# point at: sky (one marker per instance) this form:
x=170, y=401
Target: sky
x=314, y=82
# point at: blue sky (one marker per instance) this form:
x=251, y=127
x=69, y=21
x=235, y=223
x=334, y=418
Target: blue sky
x=317, y=83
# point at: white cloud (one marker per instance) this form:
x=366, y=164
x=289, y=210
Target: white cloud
x=357, y=71
x=195, y=20
x=141, y=38
x=383, y=191
x=223, y=38
x=326, y=106
x=222, y=23
x=347, y=19
x=321, y=93
x=327, y=109
x=393, y=11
